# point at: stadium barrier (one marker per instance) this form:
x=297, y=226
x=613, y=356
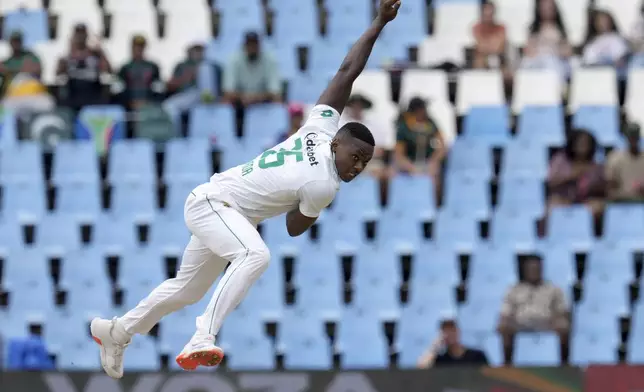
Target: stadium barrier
x=435, y=380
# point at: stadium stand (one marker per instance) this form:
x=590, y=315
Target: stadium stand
x=91, y=211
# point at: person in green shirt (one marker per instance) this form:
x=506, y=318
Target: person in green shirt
x=420, y=146
x=141, y=77
x=20, y=61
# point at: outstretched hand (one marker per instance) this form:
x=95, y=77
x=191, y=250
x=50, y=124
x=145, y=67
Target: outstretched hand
x=388, y=10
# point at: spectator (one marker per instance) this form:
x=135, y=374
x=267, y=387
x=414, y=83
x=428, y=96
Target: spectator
x=547, y=46
x=447, y=350
x=140, y=76
x=83, y=68
x=354, y=111
x=193, y=80
x=28, y=353
x=533, y=305
x=574, y=177
x=252, y=75
x=490, y=39
x=604, y=45
x=625, y=169
x=22, y=89
x=296, y=116
x=420, y=146
x=636, y=38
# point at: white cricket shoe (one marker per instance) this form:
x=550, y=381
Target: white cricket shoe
x=111, y=350
x=200, y=351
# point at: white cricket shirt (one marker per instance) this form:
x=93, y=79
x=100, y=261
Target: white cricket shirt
x=300, y=172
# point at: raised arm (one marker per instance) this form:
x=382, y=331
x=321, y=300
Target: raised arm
x=338, y=91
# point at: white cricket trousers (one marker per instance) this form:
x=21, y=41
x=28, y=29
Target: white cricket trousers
x=220, y=234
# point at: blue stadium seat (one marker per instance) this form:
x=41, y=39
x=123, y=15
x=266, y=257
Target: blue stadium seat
x=470, y=158
x=134, y=201
x=318, y=279
x=349, y=229
x=606, y=290
x=609, y=260
x=215, y=123
x=398, y=227
x=346, y=21
x=286, y=58
x=22, y=163
x=26, y=277
x=9, y=134
x=434, y=264
x=493, y=350
x=11, y=234
x=469, y=196
x=143, y=267
x=542, y=125
x=361, y=341
x=416, y=191
x=415, y=331
x=238, y=18
x=295, y=23
x=593, y=348
x=79, y=200
x=515, y=228
x=488, y=124
x=376, y=280
x=493, y=266
x=456, y=230
x=389, y=51
x=523, y=194
x=113, y=234
x=101, y=124
x=131, y=161
x=624, y=223
x=275, y=235
x=169, y=234
x=306, y=87
x=57, y=234
x=536, y=349
x=601, y=121
x=176, y=196
x=33, y=24
x=412, y=26
x=83, y=273
x=525, y=160
x=247, y=346
x=360, y=196
x=23, y=201
x=263, y=123
x=266, y=297
x=479, y=316
x=237, y=154
x=187, y=160
x=559, y=266
x=325, y=59
x=593, y=317
x=62, y=328
x=80, y=355
x=635, y=348
x=303, y=341
x=141, y=355
x=570, y=225
x=75, y=161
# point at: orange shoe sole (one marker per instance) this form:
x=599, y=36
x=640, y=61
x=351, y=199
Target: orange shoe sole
x=208, y=358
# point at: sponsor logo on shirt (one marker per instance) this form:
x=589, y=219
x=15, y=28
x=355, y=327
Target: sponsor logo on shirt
x=310, y=143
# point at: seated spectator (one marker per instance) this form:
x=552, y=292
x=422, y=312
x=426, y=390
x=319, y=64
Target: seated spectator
x=625, y=169
x=354, y=111
x=140, y=78
x=420, y=146
x=193, y=80
x=490, y=39
x=252, y=75
x=547, y=46
x=296, y=117
x=574, y=177
x=636, y=39
x=604, y=45
x=447, y=350
x=82, y=68
x=23, y=92
x=534, y=305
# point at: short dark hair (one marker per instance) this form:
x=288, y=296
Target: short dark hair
x=572, y=139
x=448, y=323
x=358, y=131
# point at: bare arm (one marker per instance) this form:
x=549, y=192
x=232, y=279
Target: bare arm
x=338, y=91
x=297, y=223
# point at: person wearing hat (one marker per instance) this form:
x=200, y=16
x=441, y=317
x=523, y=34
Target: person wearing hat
x=140, y=77
x=420, y=146
x=625, y=169
x=252, y=75
x=82, y=69
x=447, y=349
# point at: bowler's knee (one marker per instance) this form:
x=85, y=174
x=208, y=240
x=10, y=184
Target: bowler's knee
x=259, y=257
